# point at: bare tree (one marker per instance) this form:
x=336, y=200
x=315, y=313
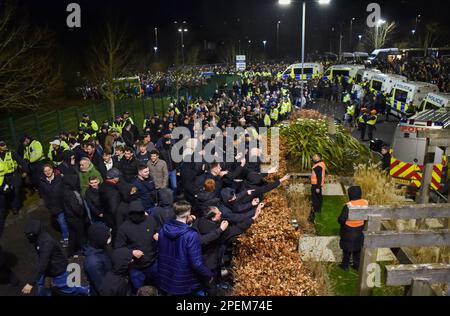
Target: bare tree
x=109, y=60
x=378, y=37
x=431, y=36
x=27, y=74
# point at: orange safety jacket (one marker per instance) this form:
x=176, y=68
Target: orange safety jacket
x=314, y=175
x=355, y=224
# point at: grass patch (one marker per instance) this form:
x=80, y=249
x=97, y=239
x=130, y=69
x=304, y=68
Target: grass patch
x=346, y=283
x=326, y=220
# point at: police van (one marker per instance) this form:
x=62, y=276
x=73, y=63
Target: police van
x=347, y=71
x=310, y=71
x=384, y=83
x=366, y=75
x=408, y=96
x=435, y=101
x=409, y=151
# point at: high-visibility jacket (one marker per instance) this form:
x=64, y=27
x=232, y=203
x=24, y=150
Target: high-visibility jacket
x=90, y=125
x=351, y=110
x=347, y=98
x=292, y=73
x=118, y=125
x=372, y=121
x=65, y=145
x=267, y=121
x=7, y=166
x=358, y=203
x=129, y=119
x=274, y=114
x=314, y=175
x=283, y=108
x=361, y=119
x=146, y=123
x=34, y=152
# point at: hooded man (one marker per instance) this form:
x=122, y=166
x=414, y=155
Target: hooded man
x=180, y=266
x=164, y=211
x=51, y=263
x=68, y=164
x=74, y=214
x=138, y=235
x=116, y=282
x=97, y=262
x=110, y=198
x=352, y=237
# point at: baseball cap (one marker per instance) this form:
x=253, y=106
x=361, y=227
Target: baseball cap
x=56, y=142
x=114, y=173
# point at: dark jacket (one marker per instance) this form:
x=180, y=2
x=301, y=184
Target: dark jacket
x=164, y=211
x=116, y=282
x=180, y=266
x=73, y=203
x=52, y=194
x=102, y=167
x=210, y=241
x=137, y=234
x=51, y=260
x=110, y=200
x=97, y=262
x=129, y=169
x=232, y=212
x=255, y=181
x=146, y=191
x=352, y=238
x=92, y=198
x=188, y=172
x=128, y=138
x=203, y=200
x=165, y=154
x=65, y=167
x=386, y=162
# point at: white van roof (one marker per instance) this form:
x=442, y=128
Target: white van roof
x=348, y=67
x=439, y=98
x=385, y=50
x=412, y=85
x=306, y=65
x=361, y=54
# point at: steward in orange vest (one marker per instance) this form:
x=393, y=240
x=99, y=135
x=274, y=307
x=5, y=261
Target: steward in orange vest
x=317, y=183
x=352, y=237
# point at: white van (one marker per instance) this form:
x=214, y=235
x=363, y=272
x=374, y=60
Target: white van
x=378, y=53
x=310, y=71
x=361, y=57
x=348, y=58
x=407, y=96
x=435, y=101
x=348, y=71
x=384, y=83
x=366, y=75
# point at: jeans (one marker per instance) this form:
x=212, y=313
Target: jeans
x=173, y=181
x=348, y=255
x=138, y=277
x=60, y=218
x=60, y=282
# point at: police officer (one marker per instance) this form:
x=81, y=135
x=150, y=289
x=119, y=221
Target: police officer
x=350, y=114
x=83, y=135
x=118, y=123
x=371, y=123
x=91, y=127
x=10, y=181
x=34, y=156
x=126, y=117
x=362, y=121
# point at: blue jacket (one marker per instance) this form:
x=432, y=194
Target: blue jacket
x=181, y=267
x=146, y=192
x=96, y=265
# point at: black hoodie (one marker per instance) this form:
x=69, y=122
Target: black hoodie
x=164, y=211
x=137, y=234
x=51, y=260
x=73, y=203
x=65, y=167
x=116, y=281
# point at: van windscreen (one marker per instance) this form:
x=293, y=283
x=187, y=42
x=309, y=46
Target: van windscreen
x=306, y=71
x=401, y=95
x=377, y=85
x=344, y=73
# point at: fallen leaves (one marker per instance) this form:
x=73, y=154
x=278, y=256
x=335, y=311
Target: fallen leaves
x=268, y=262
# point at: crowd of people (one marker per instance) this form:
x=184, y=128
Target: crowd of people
x=137, y=216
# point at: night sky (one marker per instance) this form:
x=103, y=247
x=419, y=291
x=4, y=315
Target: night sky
x=228, y=21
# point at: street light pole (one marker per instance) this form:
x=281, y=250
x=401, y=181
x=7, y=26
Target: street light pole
x=278, y=39
x=351, y=33
x=156, y=41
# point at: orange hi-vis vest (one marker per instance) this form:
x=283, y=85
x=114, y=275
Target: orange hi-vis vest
x=358, y=203
x=314, y=175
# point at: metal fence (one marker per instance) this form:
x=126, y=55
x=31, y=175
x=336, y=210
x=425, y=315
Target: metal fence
x=45, y=126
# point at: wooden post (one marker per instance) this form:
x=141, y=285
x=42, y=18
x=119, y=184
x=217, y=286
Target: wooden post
x=368, y=257
x=421, y=287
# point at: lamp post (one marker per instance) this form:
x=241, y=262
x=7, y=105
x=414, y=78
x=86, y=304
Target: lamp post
x=278, y=39
x=182, y=31
x=288, y=2
x=264, y=44
x=156, y=42
x=350, y=39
